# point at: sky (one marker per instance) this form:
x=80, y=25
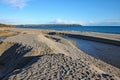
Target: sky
x=84, y=12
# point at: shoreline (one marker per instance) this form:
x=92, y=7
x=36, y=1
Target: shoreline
x=97, y=37
x=105, y=52
x=38, y=43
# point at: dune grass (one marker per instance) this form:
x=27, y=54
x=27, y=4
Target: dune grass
x=6, y=26
x=5, y=34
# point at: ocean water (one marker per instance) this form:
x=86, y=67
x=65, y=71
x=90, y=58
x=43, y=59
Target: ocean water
x=100, y=29
x=1, y=39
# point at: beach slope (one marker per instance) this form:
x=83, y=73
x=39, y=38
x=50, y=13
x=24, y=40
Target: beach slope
x=35, y=54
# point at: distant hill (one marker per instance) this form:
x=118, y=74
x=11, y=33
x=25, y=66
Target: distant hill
x=50, y=25
x=5, y=26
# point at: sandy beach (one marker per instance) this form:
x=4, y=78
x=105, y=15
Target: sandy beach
x=27, y=54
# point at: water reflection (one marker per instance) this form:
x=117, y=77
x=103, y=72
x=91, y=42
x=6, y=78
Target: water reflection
x=106, y=52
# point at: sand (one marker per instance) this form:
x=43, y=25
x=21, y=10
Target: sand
x=37, y=55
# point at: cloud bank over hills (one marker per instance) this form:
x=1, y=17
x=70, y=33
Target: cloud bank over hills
x=63, y=21
x=110, y=22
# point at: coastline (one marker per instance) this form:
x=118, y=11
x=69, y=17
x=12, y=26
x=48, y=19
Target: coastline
x=47, y=42
x=113, y=39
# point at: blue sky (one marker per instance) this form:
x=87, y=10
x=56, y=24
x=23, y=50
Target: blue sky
x=85, y=12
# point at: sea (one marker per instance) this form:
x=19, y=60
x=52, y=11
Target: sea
x=99, y=29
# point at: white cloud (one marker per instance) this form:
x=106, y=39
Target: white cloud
x=7, y=21
x=12, y=21
x=108, y=22
x=17, y=21
x=17, y=3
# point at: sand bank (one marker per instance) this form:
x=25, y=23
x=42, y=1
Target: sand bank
x=113, y=39
x=37, y=54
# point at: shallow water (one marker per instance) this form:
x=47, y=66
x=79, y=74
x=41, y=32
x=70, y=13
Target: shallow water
x=105, y=52
x=1, y=39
